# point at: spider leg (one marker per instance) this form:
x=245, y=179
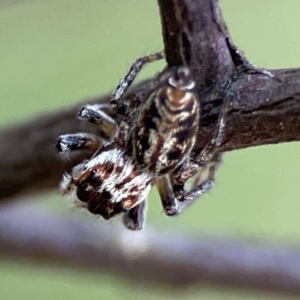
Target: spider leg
x=200, y=186
x=177, y=197
x=199, y=177
x=135, y=68
x=169, y=202
x=134, y=218
x=206, y=169
x=78, y=141
x=174, y=202
x=189, y=169
x=210, y=149
x=95, y=115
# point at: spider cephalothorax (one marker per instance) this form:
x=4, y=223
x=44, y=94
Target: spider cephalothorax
x=108, y=184
x=151, y=145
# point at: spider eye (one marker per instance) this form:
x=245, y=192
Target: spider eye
x=93, y=172
x=181, y=78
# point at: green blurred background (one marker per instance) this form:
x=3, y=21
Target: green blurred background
x=54, y=53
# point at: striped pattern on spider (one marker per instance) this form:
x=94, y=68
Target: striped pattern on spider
x=151, y=145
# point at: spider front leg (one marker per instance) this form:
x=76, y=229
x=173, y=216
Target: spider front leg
x=78, y=141
x=95, y=115
x=134, y=218
x=135, y=68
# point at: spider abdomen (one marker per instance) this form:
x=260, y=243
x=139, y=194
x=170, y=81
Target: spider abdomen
x=165, y=131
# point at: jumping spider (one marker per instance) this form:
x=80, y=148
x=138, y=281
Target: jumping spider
x=151, y=145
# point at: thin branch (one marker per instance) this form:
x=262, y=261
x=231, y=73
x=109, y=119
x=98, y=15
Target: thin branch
x=175, y=259
x=266, y=109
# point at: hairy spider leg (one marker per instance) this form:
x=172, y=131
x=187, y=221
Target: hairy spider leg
x=173, y=195
x=201, y=187
x=171, y=205
x=78, y=141
x=210, y=149
x=135, y=68
x=134, y=218
x=206, y=169
x=95, y=115
x=169, y=202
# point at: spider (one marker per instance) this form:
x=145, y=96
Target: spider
x=151, y=145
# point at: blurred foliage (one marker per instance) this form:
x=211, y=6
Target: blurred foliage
x=54, y=53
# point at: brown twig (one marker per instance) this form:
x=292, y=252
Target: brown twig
x=170, y=257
